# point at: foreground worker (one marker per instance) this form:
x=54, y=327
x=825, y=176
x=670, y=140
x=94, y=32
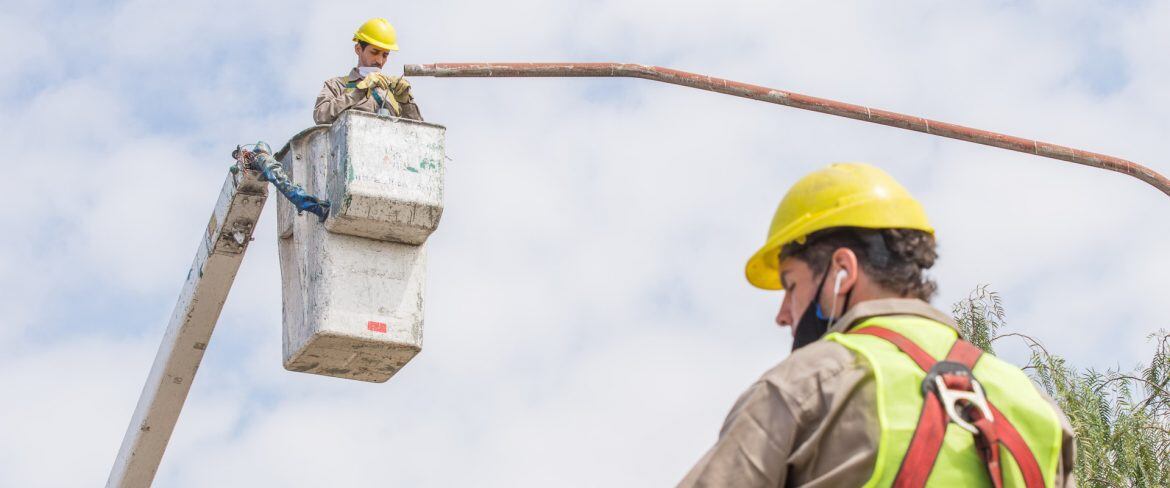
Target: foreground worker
x=366, y=88
x=854, y=405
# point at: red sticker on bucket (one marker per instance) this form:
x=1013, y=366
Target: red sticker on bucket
x=376, y=326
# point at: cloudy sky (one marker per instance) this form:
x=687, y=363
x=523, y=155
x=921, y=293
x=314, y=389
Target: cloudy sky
x=587, y=319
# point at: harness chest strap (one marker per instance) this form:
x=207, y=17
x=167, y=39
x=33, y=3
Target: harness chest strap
x=990, y=431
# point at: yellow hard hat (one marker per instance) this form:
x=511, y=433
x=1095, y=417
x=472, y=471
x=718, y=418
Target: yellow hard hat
x=842, y=195
x=379, y=33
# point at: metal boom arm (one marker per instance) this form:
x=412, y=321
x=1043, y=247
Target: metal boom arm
x=790, y=99
x=208, y=281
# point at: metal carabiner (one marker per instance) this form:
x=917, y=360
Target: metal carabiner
x=950, y=399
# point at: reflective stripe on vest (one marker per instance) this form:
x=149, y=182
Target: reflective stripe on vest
x=898, y=383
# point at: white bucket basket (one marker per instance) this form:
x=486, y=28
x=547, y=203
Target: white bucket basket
x=353, y=287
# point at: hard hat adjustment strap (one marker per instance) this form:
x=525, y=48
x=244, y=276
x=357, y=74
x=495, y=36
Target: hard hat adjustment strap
x=875, y=247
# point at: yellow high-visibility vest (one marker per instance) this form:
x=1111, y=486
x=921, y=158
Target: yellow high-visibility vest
x=901, y=401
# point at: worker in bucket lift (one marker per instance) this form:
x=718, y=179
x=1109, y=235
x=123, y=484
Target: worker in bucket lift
x=366, y=88
x=880, y=388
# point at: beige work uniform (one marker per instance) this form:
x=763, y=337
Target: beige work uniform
x=336, y=98
x=812, y=419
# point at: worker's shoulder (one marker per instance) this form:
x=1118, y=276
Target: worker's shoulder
x=337, y=80
x=809, y=368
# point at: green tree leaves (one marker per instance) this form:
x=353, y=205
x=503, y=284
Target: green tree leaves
x=1121, y=418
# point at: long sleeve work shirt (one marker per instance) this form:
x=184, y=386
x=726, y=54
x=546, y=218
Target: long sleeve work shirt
x=811, y=421
x=335, y=98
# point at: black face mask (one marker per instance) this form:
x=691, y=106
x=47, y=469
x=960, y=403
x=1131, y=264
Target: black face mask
x=813, y=323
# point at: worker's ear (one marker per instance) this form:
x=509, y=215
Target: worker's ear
x=845, y=259
x=357, y=49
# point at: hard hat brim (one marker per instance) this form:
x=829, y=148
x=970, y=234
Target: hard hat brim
x=763, y=268
x=360, y=37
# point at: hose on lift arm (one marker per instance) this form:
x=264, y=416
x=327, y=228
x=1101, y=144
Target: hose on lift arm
x=258, y=157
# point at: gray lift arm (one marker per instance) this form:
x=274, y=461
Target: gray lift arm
x=221, y=250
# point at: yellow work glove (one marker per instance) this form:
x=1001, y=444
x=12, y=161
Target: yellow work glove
x=366, y=82
x=400, y=88
x=374, y=79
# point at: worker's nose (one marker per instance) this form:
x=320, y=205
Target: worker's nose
x=784, y=316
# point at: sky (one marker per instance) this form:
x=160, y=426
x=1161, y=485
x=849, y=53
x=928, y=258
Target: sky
x=587, y=319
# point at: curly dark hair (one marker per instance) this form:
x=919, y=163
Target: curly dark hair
x=897, y=259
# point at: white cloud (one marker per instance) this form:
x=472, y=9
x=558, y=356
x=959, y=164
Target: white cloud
x=587, y=319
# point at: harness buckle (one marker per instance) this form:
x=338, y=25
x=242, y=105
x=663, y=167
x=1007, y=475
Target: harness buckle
x=955, y=400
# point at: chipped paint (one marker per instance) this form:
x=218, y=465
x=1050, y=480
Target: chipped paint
x=206, y=287
x=373, y=183
x=353, y=293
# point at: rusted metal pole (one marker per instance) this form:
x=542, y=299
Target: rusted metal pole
x=790, y=99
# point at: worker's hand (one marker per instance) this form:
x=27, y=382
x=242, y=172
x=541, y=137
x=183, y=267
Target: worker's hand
x=400, y=88
x=374, y=79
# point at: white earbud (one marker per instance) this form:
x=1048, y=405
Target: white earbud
x=841, y=275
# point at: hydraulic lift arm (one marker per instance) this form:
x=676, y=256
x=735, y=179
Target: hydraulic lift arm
x=221, y=249
x=790, y=99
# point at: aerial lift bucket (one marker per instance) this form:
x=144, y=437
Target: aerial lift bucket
x=353, y=285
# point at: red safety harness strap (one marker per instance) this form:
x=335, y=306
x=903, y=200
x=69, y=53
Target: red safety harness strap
x=919, y=355
x=930, y=432
x=924, y=446
x=1015, y=444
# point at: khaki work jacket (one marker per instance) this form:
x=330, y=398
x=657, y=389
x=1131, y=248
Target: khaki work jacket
x=336, y=98
x=812, y=420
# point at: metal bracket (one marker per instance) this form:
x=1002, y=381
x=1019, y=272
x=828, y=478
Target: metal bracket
x=234, y=239
x=951, y=398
